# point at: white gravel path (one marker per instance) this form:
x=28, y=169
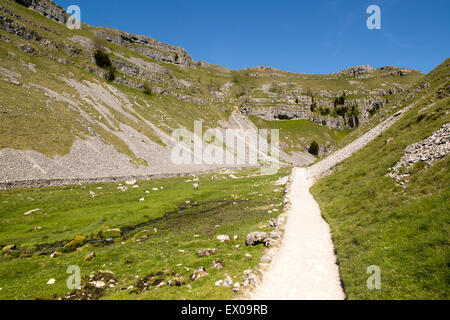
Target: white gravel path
x=305, y=266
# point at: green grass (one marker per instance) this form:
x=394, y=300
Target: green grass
x=404, y=231
x=221, y=206
x=297, y=135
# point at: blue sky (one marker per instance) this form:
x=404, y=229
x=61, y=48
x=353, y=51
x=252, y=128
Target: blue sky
x=310, y=36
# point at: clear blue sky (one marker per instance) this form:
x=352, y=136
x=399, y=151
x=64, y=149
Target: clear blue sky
x=307, y=36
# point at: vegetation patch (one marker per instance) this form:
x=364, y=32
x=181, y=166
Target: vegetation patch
x=162, y=234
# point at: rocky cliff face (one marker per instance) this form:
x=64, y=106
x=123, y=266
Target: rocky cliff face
x=148, y=47
x=47, y=8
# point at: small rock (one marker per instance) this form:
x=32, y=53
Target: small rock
x=218, y=283
x=31, y=211
x=206, y=252
x=218, y=264
x=177, y=282
x=223, y=238
x=55, y=254
x=98, y=284
x=9, y=247
x=236, y=237
x=273, y=223
x=228, y=282
x=51, y=281
x=248, y=256
x=141, y=199
x=90, y=256
x=199, y=273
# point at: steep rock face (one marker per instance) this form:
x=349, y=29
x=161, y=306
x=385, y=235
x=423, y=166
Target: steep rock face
x=302, y=111
x=147, y=46
x=293, y=112
x=18, y=29
x=47, y=8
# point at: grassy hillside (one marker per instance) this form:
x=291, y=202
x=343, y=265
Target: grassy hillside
x=405, y=230
x=164, y=232
x=57, y=94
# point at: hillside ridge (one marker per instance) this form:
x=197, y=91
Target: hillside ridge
x=79, y=120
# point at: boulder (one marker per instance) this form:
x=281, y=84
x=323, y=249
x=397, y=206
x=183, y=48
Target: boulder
x=255, y=238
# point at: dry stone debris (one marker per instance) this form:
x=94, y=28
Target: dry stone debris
x=435, y=147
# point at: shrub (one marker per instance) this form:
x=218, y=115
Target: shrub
x=147, y=89
x=314, y=148
x=324, y=111
x=339, y=101
x=110, y=73
x=102, y=59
